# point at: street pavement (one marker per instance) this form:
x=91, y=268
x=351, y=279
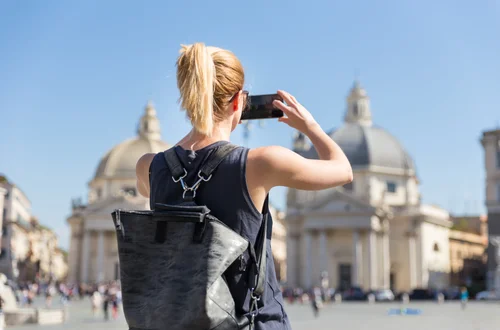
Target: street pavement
x=345, y=316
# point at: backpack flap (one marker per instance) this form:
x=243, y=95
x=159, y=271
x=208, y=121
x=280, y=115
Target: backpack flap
x=165, y=213
x=191, y=208
x=175, y=213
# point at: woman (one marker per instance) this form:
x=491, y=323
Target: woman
x=210, y=81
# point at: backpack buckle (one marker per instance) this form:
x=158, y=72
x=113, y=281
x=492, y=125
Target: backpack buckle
x=200, y=175
x=185, y=196
x=193, y=188
x=243, y=264
x=181, y=177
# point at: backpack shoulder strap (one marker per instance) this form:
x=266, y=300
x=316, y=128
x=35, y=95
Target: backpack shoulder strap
x=174, y=165
x=258, y=271
x=215, y=159
x=204, y=174
x=261, y=250
x=209, y=166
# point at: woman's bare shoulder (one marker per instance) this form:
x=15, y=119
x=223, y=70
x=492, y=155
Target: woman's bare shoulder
x=142, y=173
x=265, y=163
x=144, y=162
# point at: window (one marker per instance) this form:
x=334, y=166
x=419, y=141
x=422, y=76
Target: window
x=391, y=187
x=355, y=109
x=436, y=247
x=129, y=191
x=23, y=222
x=498, y=155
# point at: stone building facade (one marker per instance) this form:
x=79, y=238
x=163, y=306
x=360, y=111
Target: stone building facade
x=468, y=244
x=29, y=250
x=491, y=144
x=373, y=233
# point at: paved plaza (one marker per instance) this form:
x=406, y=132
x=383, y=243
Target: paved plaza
x=345, y=316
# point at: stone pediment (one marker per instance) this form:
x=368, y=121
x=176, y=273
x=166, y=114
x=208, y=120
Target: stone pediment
x=97, y=216
x=107, y=206
x=340, y=202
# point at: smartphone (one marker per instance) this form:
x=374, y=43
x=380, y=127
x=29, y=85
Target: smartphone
x=261, y=107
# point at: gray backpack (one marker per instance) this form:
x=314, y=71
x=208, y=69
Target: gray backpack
x=173, y=259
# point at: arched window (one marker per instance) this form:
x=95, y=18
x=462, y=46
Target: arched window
x=129, y=191
x=436, y=247
x=498, y=154
x=391, y=186
x=355, y=109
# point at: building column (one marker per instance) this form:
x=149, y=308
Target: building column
x=372, y=248
x=100, y=256
x=387, y=260
x=308, y=260
x=495, y=242
x=291, y=260
x=2, y=202
x=84, y=266
x=323, y=250
x=412, y=259
x=357, y=259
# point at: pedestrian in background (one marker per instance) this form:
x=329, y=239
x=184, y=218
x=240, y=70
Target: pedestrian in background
x=464, y=297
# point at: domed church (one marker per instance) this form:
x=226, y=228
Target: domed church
x=373, y=233
x=93, y=253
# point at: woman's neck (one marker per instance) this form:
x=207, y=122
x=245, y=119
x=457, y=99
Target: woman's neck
x=195, y=140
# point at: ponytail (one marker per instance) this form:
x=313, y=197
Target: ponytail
x=207, y=78
x=195, y=80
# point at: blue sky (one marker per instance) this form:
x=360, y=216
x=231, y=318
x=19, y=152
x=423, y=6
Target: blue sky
x=75, y=76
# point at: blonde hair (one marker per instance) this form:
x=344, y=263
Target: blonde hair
x=207, y=78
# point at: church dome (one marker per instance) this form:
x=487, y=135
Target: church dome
x=363, y=143
x=120, y=161
x=371, y=146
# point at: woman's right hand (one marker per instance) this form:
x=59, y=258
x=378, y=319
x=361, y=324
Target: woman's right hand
x=273, y=166
x=296, y=115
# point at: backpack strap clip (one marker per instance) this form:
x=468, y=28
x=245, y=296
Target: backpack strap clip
x=204, y=174
x=180, y=177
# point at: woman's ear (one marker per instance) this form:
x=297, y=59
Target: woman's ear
x=236, y=102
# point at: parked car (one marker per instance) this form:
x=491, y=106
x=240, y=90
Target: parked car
x=354, y=293
x=383, y=295
x=487, y=295
x=422, y=294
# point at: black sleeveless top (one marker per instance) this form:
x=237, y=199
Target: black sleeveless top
x=227, y=197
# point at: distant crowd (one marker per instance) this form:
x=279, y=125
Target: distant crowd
x=105, y=297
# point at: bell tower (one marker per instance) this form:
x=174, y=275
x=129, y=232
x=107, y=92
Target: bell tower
x=149, y=125
x=358, y=106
